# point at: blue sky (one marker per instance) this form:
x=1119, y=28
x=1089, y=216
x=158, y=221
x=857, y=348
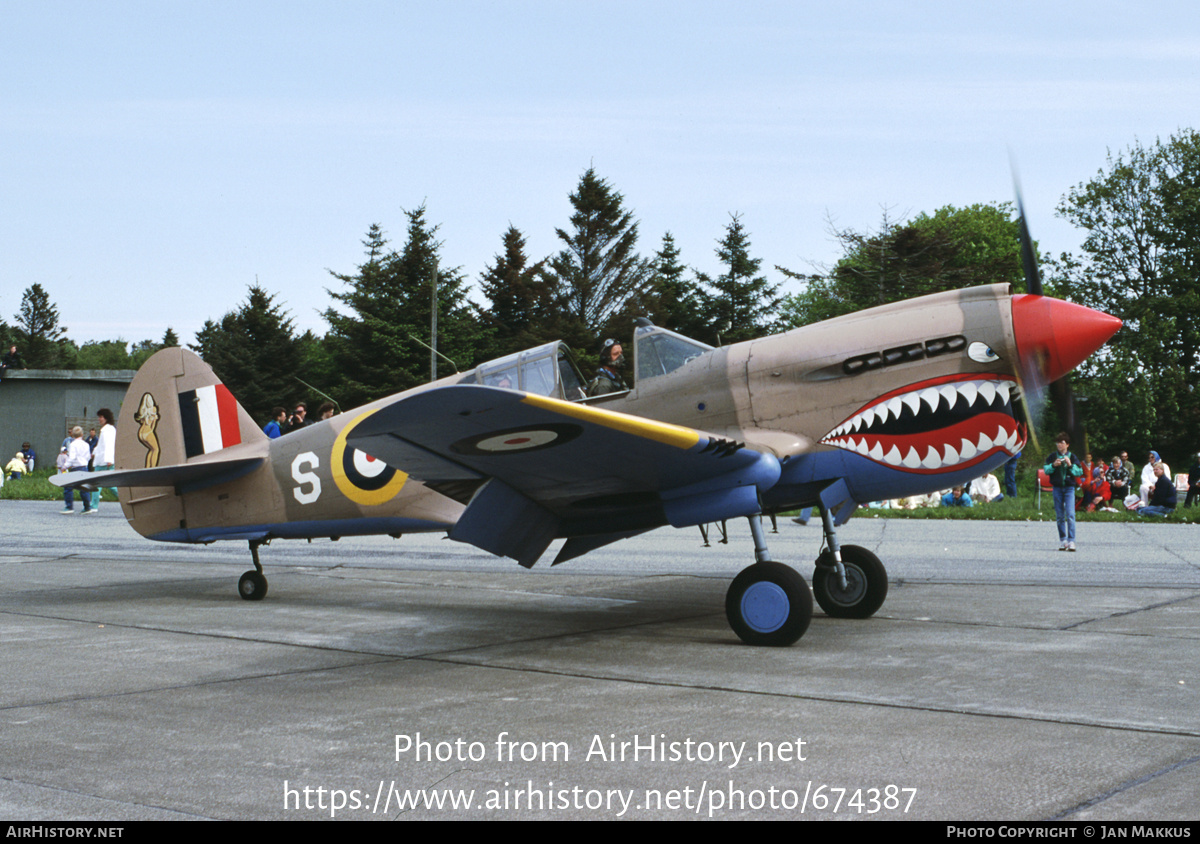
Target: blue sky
x=158, y=158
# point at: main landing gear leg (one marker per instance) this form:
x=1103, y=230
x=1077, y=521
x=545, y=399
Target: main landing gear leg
x=253, y=584
x=850, y=581
x=768, y=603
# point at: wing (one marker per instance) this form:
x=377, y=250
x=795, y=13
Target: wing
x=545, y=468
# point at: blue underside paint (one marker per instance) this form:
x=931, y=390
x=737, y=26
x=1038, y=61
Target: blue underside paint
x=765, y=607
x=712, y=506
x=303, y=530
x=803, y=478
x=800, y=483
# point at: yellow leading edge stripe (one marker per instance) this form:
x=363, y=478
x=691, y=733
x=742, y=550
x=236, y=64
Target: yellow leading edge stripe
x=662, y=432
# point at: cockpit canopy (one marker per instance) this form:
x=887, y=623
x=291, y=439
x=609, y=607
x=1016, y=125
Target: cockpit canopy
x=550, y=370
x=545, y=370
x=657, y=351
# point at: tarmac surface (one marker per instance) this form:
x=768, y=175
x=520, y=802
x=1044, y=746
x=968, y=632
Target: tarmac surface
x=420, y=678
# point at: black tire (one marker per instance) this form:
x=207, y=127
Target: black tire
x=866, y=584
x=252, y=586
x=769, y=604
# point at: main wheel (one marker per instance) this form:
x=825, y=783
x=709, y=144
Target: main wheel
x=252, y=586
x=866, y=584
x=769, y=604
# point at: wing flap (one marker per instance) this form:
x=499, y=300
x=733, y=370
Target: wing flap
x=503, y=521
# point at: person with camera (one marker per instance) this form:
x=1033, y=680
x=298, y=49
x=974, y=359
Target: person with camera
x=1063, y=468
x=299, y=419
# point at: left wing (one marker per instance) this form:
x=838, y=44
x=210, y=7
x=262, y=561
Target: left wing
x=546, y=468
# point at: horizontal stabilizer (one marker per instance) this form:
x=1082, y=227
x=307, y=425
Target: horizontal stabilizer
x=193, y=476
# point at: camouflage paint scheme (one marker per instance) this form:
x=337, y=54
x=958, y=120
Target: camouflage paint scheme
x=898, y=400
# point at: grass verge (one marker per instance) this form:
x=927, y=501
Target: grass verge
x=35, y=487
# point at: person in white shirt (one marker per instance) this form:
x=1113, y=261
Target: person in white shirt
x=986, y=489
x=78, y=455
x=1148, y=477
x=102, y=455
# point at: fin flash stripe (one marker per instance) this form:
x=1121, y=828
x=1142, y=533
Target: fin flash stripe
x=209, y=418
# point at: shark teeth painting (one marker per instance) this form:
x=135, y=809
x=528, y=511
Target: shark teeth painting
x=940, y=425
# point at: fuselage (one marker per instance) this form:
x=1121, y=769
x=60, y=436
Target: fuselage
x=898, y=400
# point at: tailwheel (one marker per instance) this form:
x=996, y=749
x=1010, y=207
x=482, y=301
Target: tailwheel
x=252, y=586
x=769, y=604
x=866, y=583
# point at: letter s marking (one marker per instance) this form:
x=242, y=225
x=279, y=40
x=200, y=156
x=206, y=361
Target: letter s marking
x=309, y=461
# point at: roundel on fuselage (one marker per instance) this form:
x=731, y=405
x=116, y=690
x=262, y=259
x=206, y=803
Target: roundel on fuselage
x=359, y=476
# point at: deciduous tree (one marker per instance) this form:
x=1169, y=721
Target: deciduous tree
x=103, y=354
x=951, y=249
x=1139, y=261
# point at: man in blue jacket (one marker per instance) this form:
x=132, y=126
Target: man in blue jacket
x=274, y=428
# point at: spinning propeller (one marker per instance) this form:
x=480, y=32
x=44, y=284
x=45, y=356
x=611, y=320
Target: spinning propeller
x=1053, y=337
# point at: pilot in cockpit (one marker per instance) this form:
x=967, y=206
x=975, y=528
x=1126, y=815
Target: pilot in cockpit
x=608, y=377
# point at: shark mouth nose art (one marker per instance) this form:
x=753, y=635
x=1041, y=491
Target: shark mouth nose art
x=940, y=425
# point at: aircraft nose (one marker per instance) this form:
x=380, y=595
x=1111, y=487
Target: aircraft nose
x=1057, y=334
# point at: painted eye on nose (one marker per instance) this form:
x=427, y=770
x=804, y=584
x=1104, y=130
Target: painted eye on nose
x=982, y=353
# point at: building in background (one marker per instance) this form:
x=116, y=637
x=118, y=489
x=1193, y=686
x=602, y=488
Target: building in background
x=37, y=405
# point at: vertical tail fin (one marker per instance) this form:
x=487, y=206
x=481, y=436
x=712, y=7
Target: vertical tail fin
x=177, y=410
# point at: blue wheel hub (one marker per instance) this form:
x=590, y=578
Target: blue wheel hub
x=765, y=607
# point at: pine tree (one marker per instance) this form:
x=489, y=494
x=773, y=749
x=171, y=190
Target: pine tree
x=7, y=338
x=521, y=311
x=37, y=332
x=255, y=352
x=674, y=302
x=741, y=303
x=381, y=346
x=599, y=271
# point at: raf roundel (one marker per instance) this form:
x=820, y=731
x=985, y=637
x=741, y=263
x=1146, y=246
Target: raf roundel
x=361, y=477
x=517, y=440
